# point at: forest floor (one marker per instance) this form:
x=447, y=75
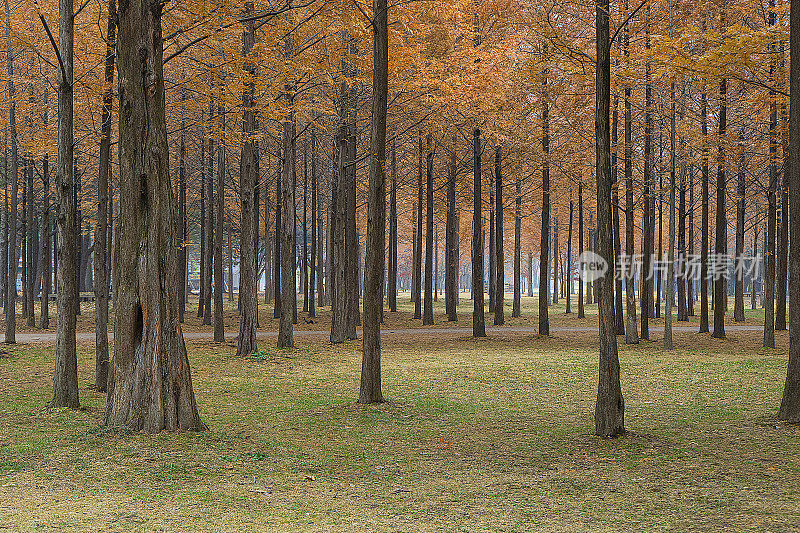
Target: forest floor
x=477, y=435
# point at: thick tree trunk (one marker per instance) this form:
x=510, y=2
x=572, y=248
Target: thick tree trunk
x=65, y=380
x=427, y=312
x=370, y=390
x=150, y=386
x=610, y=408
x=478, y=319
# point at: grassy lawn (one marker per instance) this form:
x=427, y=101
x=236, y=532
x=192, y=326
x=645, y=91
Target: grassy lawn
x=488, y=435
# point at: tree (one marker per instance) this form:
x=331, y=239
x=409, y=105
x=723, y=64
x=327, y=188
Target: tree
x=102, y=274
x=500, y=284
x=609, y=414
x=478, y=323
x=790, y=403
x=248, y=181
x=544, y=263
x=65, y=379
x=150, y=385
x=11, y=218
x=427, y=312
x=376, y=219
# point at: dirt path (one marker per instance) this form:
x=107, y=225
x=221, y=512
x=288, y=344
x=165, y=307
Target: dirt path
x=202, y=335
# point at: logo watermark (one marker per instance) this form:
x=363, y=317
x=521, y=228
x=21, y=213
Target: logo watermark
x=592, y=266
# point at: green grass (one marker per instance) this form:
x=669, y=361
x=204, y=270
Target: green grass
x=486, y=435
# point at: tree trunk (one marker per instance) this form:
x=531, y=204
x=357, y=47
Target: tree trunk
x=478, y=320
x=581, y=310
x=631, y=332
x=304, y=260
x=772, y=209
x=738, y=302
x=648, y=215
x=276, y=271
x=517, y=307
x=721, y=237
x=11, y=219
x=45, y=254
x=670, y=296
x=150, y=386
x=248, y=182
x=391, y=293
x=182, y=218
x=555, y=261
x=287, y=278
x=704, y=216
x=610, y=408
x=101, y=286
x=568, y=266
x=417, y=291
x=544, y=250
x=370, y=390
x=492, y=247
x=219, y=223
x=451, y=237
x=65, y=380
x=500, y=284
x=209, y=223
x=202, y=281
x=427, y=313
x=618, y=315
x=312, y=311
x=691, y=281
x=790, y=404
x=29, y=255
